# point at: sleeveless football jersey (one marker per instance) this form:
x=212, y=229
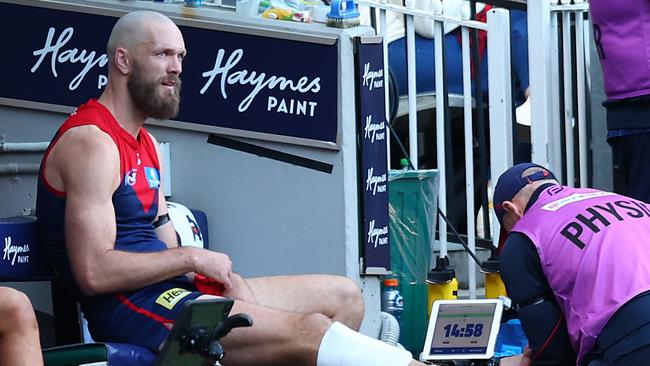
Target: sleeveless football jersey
x=135, y=199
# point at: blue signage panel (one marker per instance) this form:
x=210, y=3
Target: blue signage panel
x=230, y=80
x=372, y=137
x=22, y=257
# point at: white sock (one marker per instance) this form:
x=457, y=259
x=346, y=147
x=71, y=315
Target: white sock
x=341, y=346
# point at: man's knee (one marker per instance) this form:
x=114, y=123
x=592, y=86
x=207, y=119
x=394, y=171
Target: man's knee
x=240, y=289
x=16, y=307
x=349, y=294
x=348, y=302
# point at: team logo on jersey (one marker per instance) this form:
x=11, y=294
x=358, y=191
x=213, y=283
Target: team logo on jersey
x=153, y=177
x=171, y=297
x=130, y=177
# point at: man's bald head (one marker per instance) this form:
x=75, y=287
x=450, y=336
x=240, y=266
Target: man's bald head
x=134, y=28
x=145, y=52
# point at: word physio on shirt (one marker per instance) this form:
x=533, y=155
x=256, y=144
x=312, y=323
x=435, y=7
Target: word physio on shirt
x=597, y=217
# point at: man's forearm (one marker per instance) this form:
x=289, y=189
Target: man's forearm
x=118, y=270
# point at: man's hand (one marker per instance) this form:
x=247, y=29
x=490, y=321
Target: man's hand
x=215, y=265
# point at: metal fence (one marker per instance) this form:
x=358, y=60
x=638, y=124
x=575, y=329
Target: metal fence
x=500, y=104
x=559, y=31
x=559, y=85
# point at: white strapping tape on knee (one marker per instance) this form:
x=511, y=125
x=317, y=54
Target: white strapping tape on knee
x=341, y=346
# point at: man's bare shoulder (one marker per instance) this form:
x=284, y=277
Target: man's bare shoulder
x=81, y=151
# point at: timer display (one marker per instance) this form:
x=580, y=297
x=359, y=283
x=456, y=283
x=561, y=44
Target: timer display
x=462, y=329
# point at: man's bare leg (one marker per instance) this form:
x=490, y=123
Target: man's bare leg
x=19, y=341
x=280, y=337
x=337, y=297
x=277, y=337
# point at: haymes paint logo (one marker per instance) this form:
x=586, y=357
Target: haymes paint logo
x=59, y=55
x=258, y=81
x=54, y=53
x=15, y=253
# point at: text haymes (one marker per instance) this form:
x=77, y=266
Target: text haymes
x=11, y=252
x=88, y=59
x=596, y=215
x=375, y=233
x=374, y=131
x=375, y=183
x=370, y=76
x=258, y=81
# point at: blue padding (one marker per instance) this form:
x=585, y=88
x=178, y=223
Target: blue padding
x=202, y=221
x=120, y=354
x=22, y=258
x=511, y=339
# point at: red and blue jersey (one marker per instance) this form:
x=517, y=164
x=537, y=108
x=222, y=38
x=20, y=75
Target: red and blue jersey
x=136, y=205
x=135, y=200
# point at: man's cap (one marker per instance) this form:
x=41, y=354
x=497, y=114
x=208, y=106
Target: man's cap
x=512, y=181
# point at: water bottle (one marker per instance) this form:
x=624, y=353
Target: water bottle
x=391, y=300
x=404, y=164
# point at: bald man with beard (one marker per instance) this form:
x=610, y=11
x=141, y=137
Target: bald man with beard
x=103, y=220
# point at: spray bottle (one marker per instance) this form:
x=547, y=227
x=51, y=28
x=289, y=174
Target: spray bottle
x=494, y=286
x=441, y=283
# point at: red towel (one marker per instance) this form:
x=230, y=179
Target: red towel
x=208, y=286
x=482, y=38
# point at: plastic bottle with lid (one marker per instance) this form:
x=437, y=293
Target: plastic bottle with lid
x=391, y=299
x=404, y=163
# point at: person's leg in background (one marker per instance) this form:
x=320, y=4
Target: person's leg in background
x=425, y=83
x=521, y=90
x=425, y=70
x=19, y=341
x=630, y=156
x=519, y=55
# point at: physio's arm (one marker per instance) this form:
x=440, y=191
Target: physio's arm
x=540, y=316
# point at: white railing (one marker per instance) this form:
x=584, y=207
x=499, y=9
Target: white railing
x=500, y=105
x=559, y=86
x=559, y=64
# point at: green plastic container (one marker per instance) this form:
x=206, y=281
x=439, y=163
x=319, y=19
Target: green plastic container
x=413, y=204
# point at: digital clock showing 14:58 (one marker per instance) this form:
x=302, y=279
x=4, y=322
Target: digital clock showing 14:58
x=462, y=329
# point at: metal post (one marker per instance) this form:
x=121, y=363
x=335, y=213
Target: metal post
x=553, y=125
x=412, y=92
x=469, y=161
x=383, y=24
x=582, y=109
x=480, y=119
x=567, y=53
x=500, y=97
x=440, y=131
x=539, y=54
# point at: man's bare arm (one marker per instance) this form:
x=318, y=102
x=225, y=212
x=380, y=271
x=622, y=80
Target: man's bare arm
x=166, y=232
x=88, y=164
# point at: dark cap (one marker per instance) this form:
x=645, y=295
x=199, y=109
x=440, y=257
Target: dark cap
x=512, y=181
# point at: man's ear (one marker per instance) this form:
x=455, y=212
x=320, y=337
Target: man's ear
x=122, y=60
x=514, y=214
x=508, y=206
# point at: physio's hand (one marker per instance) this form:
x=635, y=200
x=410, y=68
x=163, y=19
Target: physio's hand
x=523, y=359
x=215, y=265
